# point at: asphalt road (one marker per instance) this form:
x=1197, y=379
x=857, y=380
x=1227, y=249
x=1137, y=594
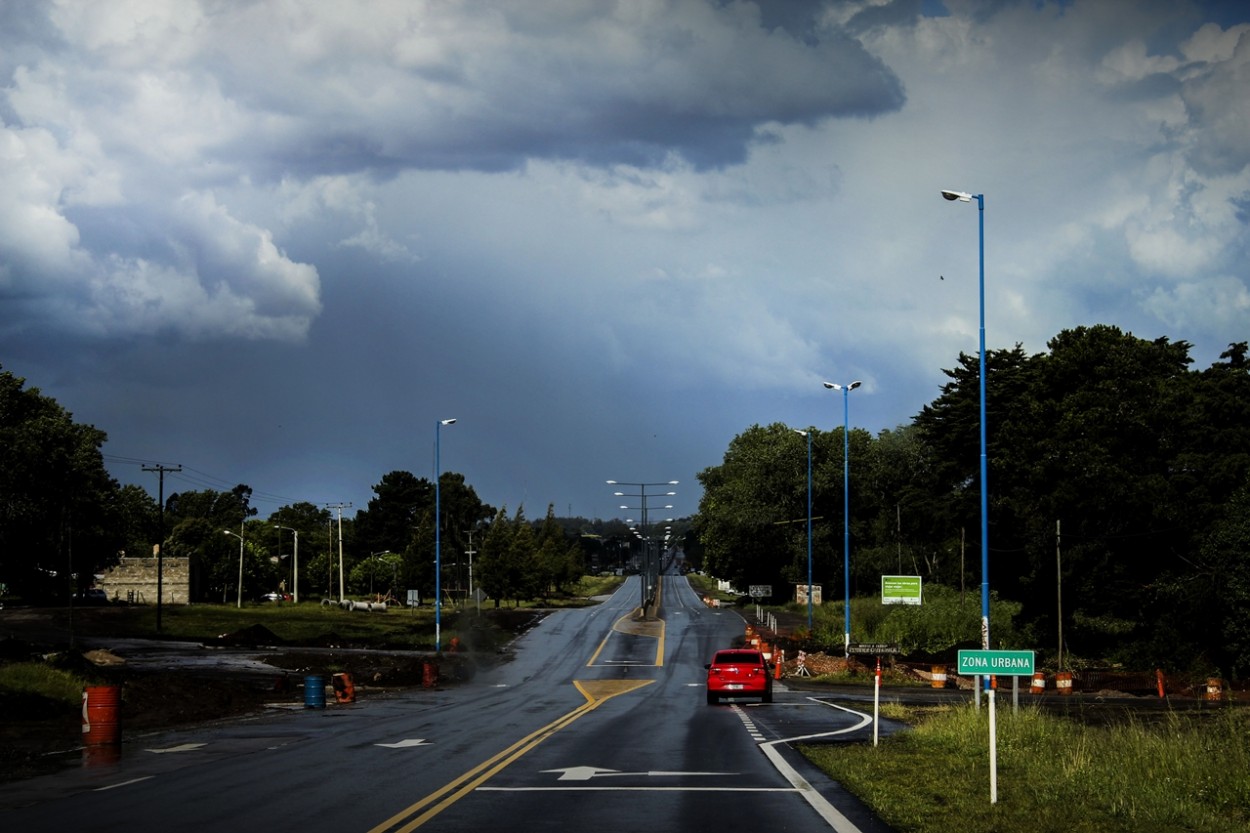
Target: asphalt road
x=599, y=723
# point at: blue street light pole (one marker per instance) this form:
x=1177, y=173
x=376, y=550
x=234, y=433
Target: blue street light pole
x=846, y=502
x=961, y=196
x=438, y=548
x=808, y=434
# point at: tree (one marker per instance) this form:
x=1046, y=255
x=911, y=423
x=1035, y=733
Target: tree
x=748, y=503
x=197, y=521
x=495, y=574
x=392, y=514
x=60, y=516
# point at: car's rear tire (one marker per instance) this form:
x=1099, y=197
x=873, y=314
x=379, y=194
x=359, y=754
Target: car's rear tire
x=768, y=696
x=712, y=699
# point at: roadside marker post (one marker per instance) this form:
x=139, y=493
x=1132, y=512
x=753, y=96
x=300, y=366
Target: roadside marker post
x=987, y=664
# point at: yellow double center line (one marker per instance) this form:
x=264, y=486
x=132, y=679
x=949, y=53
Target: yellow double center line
x=596, y=692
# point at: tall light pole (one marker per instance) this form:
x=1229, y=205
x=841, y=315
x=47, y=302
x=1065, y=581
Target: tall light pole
x=294, y=559
x=239, y=535
x=961, y=196
x=846, y=501
x=646, y=545
x=808, y=434
x=438, y=546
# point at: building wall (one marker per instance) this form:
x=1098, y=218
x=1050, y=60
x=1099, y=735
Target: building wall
x=134, y=580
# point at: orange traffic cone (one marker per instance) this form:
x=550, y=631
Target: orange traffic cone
x=777, y=667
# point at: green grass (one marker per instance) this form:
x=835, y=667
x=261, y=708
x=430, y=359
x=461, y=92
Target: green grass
x=1185, y=772
x=43, y=680
x=307, y=622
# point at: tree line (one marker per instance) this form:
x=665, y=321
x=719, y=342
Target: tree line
x=1118, y=482
x=64, y=520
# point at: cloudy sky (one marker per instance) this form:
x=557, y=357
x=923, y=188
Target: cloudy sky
x=276, y=242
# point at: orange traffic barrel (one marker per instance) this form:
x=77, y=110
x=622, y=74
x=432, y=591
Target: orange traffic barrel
x=1215, y=689
x=101, y=715
x=938, y=676
x=344, y=690
x=1039, y=683
x=429, y=674
x=1063, y=682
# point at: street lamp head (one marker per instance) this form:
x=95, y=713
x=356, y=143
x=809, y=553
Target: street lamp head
x=835, y=386
x=611, y=482
x=853, y=385
x=961, y=196
x=447, y=422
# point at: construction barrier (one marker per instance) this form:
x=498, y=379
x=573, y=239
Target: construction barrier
x=1215, y=689
x=1063, y=682
x=777, y=666
x=1039, y=683
x=344, y=690
x=429, y=674
x=938, y=676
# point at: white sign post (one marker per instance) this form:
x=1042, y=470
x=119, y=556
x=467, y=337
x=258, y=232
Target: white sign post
x=1000, y=663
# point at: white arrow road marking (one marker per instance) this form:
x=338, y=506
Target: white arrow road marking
x=404, y=744
x=186, y=747
x=585, y=773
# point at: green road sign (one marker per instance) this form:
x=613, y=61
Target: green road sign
x=900, y=590
x=1001, y=663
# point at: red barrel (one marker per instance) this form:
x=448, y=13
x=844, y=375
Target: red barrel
x=1063, y=682
x=101, y=715
x=429, y=674
x=1039, y=682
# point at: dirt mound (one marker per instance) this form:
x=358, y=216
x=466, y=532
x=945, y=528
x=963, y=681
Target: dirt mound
x=249, y=637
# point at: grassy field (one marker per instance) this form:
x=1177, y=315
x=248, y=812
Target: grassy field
x=308, y=624
x=1179, y=772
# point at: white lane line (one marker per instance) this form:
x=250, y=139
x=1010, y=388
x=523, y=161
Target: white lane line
x=124, y=783
x=831, y=814
x=641, y=789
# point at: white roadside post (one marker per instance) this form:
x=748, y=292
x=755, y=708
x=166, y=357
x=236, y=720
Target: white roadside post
x=988, y=664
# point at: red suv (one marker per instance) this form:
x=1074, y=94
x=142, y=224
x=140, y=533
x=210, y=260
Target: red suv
x=738, y=672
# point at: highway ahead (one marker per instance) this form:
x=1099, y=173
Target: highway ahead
x=599, y=723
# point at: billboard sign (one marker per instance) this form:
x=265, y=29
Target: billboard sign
x=900, y=590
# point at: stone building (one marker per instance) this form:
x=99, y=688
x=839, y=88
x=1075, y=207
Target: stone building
x=134, y=580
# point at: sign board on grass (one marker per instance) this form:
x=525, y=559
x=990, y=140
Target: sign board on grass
x=761, y=591
x=871, y=648
x=1000, y=663
x=800, y=594
x=900, y=590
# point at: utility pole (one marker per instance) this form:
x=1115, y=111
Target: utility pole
x=340, y=507
x=472, y=552
x=160, y=547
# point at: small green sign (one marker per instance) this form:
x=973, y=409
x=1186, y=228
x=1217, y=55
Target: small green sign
x=900, y=590
x=1000, y=663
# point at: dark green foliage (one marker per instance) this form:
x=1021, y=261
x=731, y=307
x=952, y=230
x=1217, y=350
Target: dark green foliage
x=1113, y=468
x=61, y=515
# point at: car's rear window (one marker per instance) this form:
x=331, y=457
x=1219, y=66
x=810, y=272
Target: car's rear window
x=738, y=658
